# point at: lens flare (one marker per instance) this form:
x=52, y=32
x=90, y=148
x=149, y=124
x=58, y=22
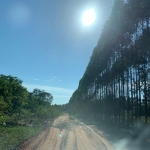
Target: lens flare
x=88, y=17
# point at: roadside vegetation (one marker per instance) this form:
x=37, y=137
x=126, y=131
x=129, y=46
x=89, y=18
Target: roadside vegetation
x=13, y=135
x=23, y=114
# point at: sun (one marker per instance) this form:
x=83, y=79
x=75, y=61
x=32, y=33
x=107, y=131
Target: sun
x=88, y=17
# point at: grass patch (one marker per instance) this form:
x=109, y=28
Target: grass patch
x=10, y=137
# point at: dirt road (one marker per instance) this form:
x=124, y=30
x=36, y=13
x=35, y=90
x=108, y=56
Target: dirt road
x=67, y=133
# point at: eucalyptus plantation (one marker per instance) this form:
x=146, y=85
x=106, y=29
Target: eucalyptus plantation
x=116, y=84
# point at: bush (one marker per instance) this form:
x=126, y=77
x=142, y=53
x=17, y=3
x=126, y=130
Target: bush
x=2, y=120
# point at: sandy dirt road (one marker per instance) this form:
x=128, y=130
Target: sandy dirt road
x=67, y=133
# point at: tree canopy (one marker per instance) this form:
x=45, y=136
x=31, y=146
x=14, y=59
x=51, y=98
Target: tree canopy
x=16, y=103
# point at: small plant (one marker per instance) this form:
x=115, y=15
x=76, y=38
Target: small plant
x=2, y=120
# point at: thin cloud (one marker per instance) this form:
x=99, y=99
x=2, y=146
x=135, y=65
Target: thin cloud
x=32, y=79
x=60, y=96
x=36, y=79
x=50, y=80
x=58, y=90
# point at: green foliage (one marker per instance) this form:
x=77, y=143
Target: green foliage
x=18, y=104
x=42, y=95
x=12, y=94
x=23, y=113
x=3, y=105
x=2, y=120
x=12, y=136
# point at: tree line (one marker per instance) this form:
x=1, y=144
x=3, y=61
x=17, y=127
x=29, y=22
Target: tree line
x=17, y=105
x=115, y=87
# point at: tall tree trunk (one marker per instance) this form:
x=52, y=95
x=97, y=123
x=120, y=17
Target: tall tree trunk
x=120, y=101
x=123, y=99
x=131, y=95
x=139, y=86
x=137, y=101
x=145, y=94
x=128, y=98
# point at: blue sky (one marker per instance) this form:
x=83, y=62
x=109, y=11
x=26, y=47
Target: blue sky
x=45, y=44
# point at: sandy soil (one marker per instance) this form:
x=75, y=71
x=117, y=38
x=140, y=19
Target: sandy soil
x=67, y=133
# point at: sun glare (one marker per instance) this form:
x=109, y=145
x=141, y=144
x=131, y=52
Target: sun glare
x=88, y=17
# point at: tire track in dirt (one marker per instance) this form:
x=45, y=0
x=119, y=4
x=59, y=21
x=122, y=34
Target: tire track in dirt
x=33, y=144
x=69, y=134
x=93, y=143
x=80, y=143
x=52, y=142
x=71, y=141
x=96, y=136
x=64, y=140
